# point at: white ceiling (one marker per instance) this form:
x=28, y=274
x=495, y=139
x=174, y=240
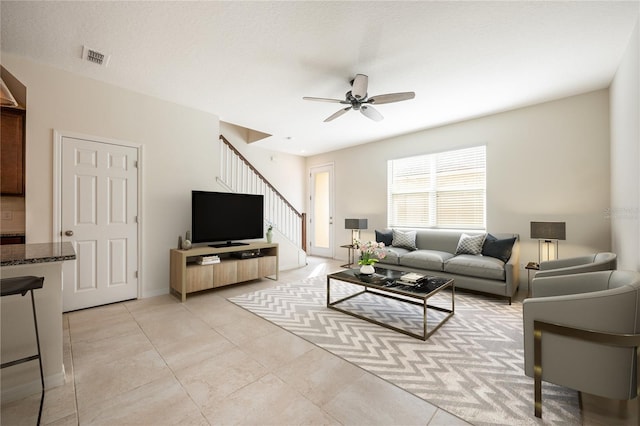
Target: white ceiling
x=251, y=63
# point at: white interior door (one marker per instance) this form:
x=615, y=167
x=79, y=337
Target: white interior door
x=321, y=220
x=99, y=208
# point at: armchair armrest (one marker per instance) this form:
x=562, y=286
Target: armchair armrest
x=570, y=284
x=610, y=369
x=611, y=339
x=565, y=263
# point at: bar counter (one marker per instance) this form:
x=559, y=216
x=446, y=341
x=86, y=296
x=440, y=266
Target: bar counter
x=28, y=254
x=16, y=319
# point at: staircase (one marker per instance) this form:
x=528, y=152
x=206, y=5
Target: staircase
x=238, y=175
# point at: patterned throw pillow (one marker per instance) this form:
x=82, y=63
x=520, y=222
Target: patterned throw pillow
x=469, y=244
x=404, y=239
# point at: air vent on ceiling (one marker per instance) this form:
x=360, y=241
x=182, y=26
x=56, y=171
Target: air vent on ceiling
x=94, y=56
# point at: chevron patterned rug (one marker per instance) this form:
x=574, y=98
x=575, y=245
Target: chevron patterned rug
x=471, y=367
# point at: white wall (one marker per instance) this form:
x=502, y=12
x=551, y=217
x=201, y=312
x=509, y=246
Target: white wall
x=548, y=162
x=625, y=157
x=180, y=150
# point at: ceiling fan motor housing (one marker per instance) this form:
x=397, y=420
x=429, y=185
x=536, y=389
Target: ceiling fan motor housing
x=355, y=103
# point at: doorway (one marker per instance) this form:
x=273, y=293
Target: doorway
x=97, y=205
x=321, y=208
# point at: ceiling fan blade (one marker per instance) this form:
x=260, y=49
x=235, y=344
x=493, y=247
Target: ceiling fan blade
x=337, y=114
x=391, y=97
x=335, y=101
x=370, y=112
x=359, y=86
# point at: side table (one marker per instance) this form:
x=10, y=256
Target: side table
x=531, y=266
x=351, y=259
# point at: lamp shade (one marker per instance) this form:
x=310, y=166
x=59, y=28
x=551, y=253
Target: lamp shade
x=355, y=224
x=548, y=230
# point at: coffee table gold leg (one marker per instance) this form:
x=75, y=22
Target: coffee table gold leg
x=328, y=291
x=424, y=321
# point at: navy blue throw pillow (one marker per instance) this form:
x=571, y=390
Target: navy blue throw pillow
x=500, y=249
x=385, y=237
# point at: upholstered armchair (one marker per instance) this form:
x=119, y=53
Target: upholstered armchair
x=575, y=265
x=581, y=331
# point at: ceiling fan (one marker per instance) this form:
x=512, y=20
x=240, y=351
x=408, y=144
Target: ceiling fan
x=358, y=99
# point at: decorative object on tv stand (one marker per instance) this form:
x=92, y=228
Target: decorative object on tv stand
x=186, y=243
x=355, y=225
x=548, y=234
x=270, y=233
x=370, y=253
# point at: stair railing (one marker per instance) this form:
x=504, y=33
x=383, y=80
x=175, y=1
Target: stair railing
x=239, y=175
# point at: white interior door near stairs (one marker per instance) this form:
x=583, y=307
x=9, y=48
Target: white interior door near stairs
x=99, y=215
x=321, y=220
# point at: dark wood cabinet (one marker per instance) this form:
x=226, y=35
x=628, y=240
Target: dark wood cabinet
x=12, y=239
x=12, y=138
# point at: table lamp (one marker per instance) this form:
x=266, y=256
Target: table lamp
x=355, y=225
x=548, y=234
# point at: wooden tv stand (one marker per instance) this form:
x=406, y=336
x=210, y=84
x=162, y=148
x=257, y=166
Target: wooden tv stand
x=187, y=276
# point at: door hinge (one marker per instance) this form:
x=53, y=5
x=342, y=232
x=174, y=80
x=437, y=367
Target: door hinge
x=135, y=164
x=135, y=274
x=135, y=219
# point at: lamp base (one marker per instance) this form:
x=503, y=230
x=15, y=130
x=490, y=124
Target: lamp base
x=547, y=250
x=355, y=236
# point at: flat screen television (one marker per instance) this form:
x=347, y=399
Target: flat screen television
x=225, y=217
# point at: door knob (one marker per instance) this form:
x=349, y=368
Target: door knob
x=68, y=233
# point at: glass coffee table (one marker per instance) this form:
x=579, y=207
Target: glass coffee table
x=385, y=283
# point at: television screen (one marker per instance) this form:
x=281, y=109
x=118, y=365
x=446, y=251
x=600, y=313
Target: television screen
x=226, y=217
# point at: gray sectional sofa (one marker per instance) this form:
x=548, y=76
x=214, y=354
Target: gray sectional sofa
x=491, y=268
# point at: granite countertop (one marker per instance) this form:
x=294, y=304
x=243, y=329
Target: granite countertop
x=27, y=254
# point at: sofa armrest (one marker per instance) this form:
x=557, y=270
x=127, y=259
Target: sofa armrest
x=512, y=269
x=570, y=284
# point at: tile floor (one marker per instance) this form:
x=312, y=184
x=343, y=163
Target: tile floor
x=160, y=362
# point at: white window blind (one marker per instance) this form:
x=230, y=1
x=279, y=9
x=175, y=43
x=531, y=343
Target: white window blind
x=443, y=190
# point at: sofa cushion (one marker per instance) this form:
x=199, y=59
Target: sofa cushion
x=432, y=260
x=476, y=266
x=385, y=237
x=470, y=244
x=500, y=249
x=393, y=255
x=404, y=239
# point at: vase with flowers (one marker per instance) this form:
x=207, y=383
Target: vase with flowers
x=270, y=233
x=370, y=253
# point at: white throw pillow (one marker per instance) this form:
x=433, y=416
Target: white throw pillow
x=469, y=244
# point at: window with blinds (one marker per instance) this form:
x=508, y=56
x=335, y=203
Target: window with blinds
x=443, y=190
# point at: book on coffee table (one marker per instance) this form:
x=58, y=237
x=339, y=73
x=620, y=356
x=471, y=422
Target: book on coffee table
x=412, y=278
